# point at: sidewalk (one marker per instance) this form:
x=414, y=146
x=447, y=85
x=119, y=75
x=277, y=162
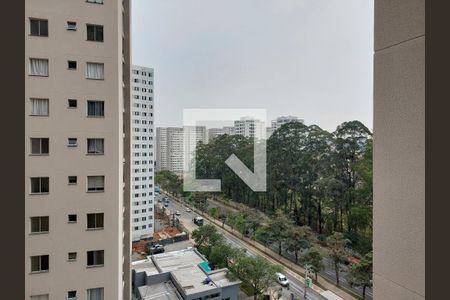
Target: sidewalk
x=320, y=285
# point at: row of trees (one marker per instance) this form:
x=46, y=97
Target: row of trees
x=254, y=272
x=320, y=179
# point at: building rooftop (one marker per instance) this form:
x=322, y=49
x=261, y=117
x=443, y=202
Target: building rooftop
x=177, y=260
x=146, y=266
x=159, y=291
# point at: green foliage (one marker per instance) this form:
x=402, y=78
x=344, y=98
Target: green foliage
x=313, y=258
x=337, y=246
x=206, y=237
x=360, y=275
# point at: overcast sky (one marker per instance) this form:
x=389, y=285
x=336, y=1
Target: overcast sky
x=309, y=58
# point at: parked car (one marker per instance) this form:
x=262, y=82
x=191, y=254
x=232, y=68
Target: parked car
x=282, y=280
x=177, y=213
x=157, y=248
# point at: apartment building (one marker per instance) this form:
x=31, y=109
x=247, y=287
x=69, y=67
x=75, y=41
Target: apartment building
x=280, y=121
x=172, y=144
x=77, y=198
x=250, y=127
x=215, y=132
x=142, y=165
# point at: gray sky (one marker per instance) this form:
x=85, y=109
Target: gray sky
x=310, y=58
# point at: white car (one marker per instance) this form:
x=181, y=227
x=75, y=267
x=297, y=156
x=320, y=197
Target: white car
x=188, y=210
x=177, y=213
x=281, y=279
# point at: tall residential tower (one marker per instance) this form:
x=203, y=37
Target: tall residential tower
x=142, y=166
x=77, y=201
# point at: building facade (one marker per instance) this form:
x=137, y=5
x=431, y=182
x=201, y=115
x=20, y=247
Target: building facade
x=215, y=132
x=142, y=149
x=77, y=203
x=280, y=121
x=172, y=144
x=250, y=127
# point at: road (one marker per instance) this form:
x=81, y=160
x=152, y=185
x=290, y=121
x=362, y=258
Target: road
x=296, y=286
x=327, y=273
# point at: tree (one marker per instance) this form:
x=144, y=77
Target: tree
x=337, y=251
x=300, y=237
x=206, y=237
x=200, y=201
x=256, y=272
x=279, y=227
x=223, y=253
x=313, y=258
x=360, y=275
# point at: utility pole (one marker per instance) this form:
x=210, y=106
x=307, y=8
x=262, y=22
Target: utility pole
x=308, y=280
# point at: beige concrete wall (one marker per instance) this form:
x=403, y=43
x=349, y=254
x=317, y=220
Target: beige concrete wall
x=62, y=45
x=399, y=151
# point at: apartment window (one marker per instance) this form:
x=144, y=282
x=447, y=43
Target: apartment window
x=95, y=258
x=72, y=103
x=39, y=224
x=39, y=185
x=71, y=25
x=39, y=107
x=95, y=1
x=72, y=256
x=95, y=221
x=39, y=263
x=71, y=295
x=38, y=67
x=39, y=297
x=72, y=218
x=95, y=108
x=94, y=33
x=95, y=146
x=95, y=71
x=72, y=180
x=39, y=146
x=97, y=293
x=72, y=142
x=38, y=27
x=96, y=183
x=71, y=65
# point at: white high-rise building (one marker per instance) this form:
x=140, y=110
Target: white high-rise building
x=250, y=127
x=215, y=132
x=142, y=149
x=170, y=146
x=280, y=121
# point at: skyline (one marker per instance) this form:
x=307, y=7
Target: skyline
x=313, y=59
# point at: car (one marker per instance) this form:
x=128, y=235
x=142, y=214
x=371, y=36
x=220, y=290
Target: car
x=188, y=210
x=166, y=205
x=282, y=280
x=177, y=213
x=156, y=249
x=198, y=221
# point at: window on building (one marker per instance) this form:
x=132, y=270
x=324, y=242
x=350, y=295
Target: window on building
x=71, y=295
x=39, y=107
x=72, y=142
x=39, y=297
x=95, y=146
x=95, y=1
x=38, y=27
x=71, y=65
x=96, y=183
x=95, y=108
x=39, y=263
x=95, y=71
x=72, y=179
x=72, y=218
x=97, y=293
x=38, y=67
x=71, y=256
x=39, y=224
x=39, y=185
x=95, y=258
x=94, y=33
x=72, y=103
x=95, y=221
x=71, y=25
x=39, y=146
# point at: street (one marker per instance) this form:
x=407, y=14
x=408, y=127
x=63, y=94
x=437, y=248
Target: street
x=296, y=286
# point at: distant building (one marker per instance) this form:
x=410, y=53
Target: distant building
x=142, y=165
x=181, y=275
x=215, y=132
x=280, y=121
x=170, y=146
x=250, y=127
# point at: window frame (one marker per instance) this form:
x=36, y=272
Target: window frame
x=95, y=141
x=40, y=186
x=40, y=225
x=40, y=153
x=39, y=99
x=40, y=264
x=39, y=20
x=95, y=263
x=95, y=102
x=37, y=75
x=95, y=189
x=96, y=220
x=95, y=27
